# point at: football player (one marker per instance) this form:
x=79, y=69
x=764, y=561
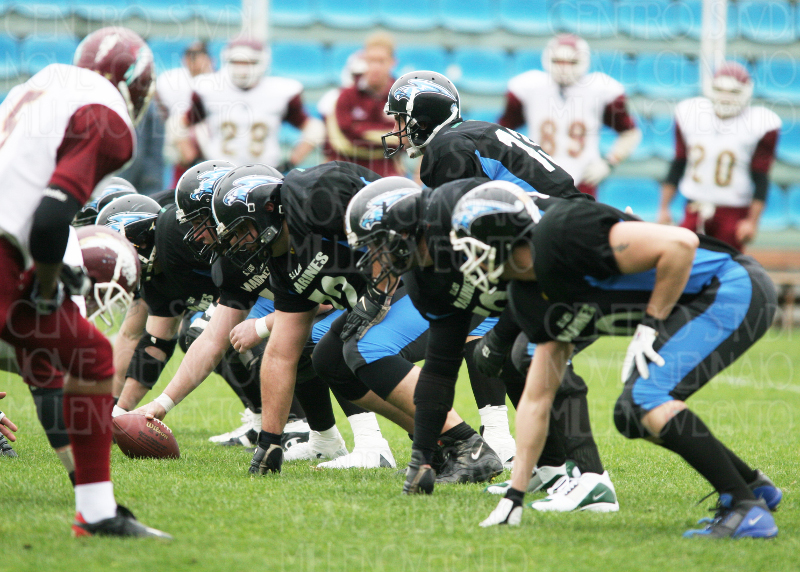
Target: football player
x=65, y=129
x=724, y=148
x=580, y=270
x=407, y=232
x=242, y=111
x=564, y=109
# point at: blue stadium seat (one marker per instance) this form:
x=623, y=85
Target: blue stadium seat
x=793, y=202
x=38, y=52
x=348, y=14
x=589, y=19
x=777, y=79
x=482, y=114
x=649, y=19
x=337, y=58
x=526, y=60
x=662, y=134
x=776, y=212
x=160, y=11
x=667, y=75
x=483, y=71
x=789, y=143
x=641, y=194
x=218, y=12
x=293, y=13
x=417, y=16
x=767, y=22
x=6, y=6
x=168, y=52
x=526, y=17
x=474, y=17
x=9, y=52
x=607, y=136
x=101, y=10
x=303, y=61
x=677, y=209
x=618, y=65
x=691, y=19
x=410, y=58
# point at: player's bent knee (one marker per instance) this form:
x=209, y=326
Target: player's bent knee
x=627, y=418
x=145, y=368
x=50, y=411
x=434, y=392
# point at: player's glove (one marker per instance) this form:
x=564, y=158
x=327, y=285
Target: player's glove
x=640, y=350
x=370, y=310
x=595, y=172
x=490, y=354
x=47, y=306
x=76, y=280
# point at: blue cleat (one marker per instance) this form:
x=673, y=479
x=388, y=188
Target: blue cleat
x=764, y=488
x=747, y=519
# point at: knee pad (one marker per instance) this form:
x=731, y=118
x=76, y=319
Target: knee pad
x=628, y=417
x=144, y=368
x=328, y=363
x=50, y=411
x=521, y=354
x=434, y=392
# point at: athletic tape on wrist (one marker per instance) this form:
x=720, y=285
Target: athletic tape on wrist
x=165, y=401
x=2, y=415
x=261, y=328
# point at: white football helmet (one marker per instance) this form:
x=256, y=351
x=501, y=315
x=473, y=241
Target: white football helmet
x=566, y=58
x=246, y=62
x=731, y=90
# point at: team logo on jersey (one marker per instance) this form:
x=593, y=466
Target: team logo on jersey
x=421, y=86
x=240, y=192
x=378, y=206
x=207, y=181
x=466, y=214
x=120, y=221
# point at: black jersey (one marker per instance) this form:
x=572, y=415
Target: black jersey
x=239, y=288
x=320, y=267
x=176, y=281
x=580, y=292
x=482, y=149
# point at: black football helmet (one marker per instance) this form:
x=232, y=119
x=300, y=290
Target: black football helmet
x=422, y=102
x=135, y=217
x=377, y=217
x=250, y=193
x=487, y=223
x=106, y=191
x=193, y=196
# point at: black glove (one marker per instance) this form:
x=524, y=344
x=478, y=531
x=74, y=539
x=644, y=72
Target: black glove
x=370, y=310
x=285, y=166
x=47, y=306
x=75, y=280
x=490, y=355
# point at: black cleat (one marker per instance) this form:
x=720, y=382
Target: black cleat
x=123, y=524
x=289, y=440
x=267, y=460
x=5, y=448
x=469, y=461
x=420, y=477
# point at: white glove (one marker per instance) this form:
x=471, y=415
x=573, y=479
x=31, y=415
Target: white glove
x=595, y=172
x=639, y=351
x=506, y=512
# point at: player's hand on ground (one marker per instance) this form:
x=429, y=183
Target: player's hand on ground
x=244, y=336
x=640, y=351
x=664, y=217
x=370, y=310
x=745, y=231
x=7, y=427
x=152, y=410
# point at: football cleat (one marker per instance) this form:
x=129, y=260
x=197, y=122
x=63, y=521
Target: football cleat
x=368, y=453
x=318, y=446
x=506, y=512
x=469, y=461
x=745, y=519
x=502, y=443
x=266, y=460
x=589, y=491
x=420, y=477
x=295, y=432
x=5, y=448
x=123, y=524
x=246, y=435
x=542, y=478
x=764, y=488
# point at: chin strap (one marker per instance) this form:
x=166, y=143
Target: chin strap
x=415, y=151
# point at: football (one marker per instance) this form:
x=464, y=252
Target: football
x=142, y=438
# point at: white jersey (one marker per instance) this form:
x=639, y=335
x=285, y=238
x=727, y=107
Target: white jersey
x=719, y=151
x=243, y=125
x=174, y=89
x=566, y=122
x=35, y=116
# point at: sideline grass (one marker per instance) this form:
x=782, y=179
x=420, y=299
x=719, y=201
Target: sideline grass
x=310, y=520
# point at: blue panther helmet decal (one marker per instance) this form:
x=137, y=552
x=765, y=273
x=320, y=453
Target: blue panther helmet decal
x=119, y=221
x=243, y=186
x=378, y=206
x=105, y=192
x=207, y=180
x=414, y=86
x=467, y=213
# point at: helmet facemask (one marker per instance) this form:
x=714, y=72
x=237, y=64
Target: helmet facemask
x=392, y=251
x=477, y=254
x=233, y=245
x=202, y=222
x=566, y=58
x=731, y=90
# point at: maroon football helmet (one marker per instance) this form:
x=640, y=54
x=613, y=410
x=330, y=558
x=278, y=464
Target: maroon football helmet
x=113, y=267
x=122, y=57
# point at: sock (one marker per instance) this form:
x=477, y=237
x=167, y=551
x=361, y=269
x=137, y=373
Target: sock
x=365, y=426
x=687, y=435
x=553, y=454
x=460, y=432
x=265, y=439
x=315, y=398
x=88, y=421
x=428, y=423
x=748, y=474
x=515, y=496
x=331, y=433
x=95, y=501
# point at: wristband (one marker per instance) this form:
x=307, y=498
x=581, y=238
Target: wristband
x=2, y=415
x=261, y=328
x=651, y=322
x=165, y=401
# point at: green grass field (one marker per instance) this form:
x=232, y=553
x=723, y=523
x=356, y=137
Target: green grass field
x=309, y=520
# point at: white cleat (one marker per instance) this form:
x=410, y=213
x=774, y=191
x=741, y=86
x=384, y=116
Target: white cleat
x=590, y=492
x=505, y=513
x=372, y=453
x=318, y=446
x=495, y=431
x=246, y=435
x=542, y=478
